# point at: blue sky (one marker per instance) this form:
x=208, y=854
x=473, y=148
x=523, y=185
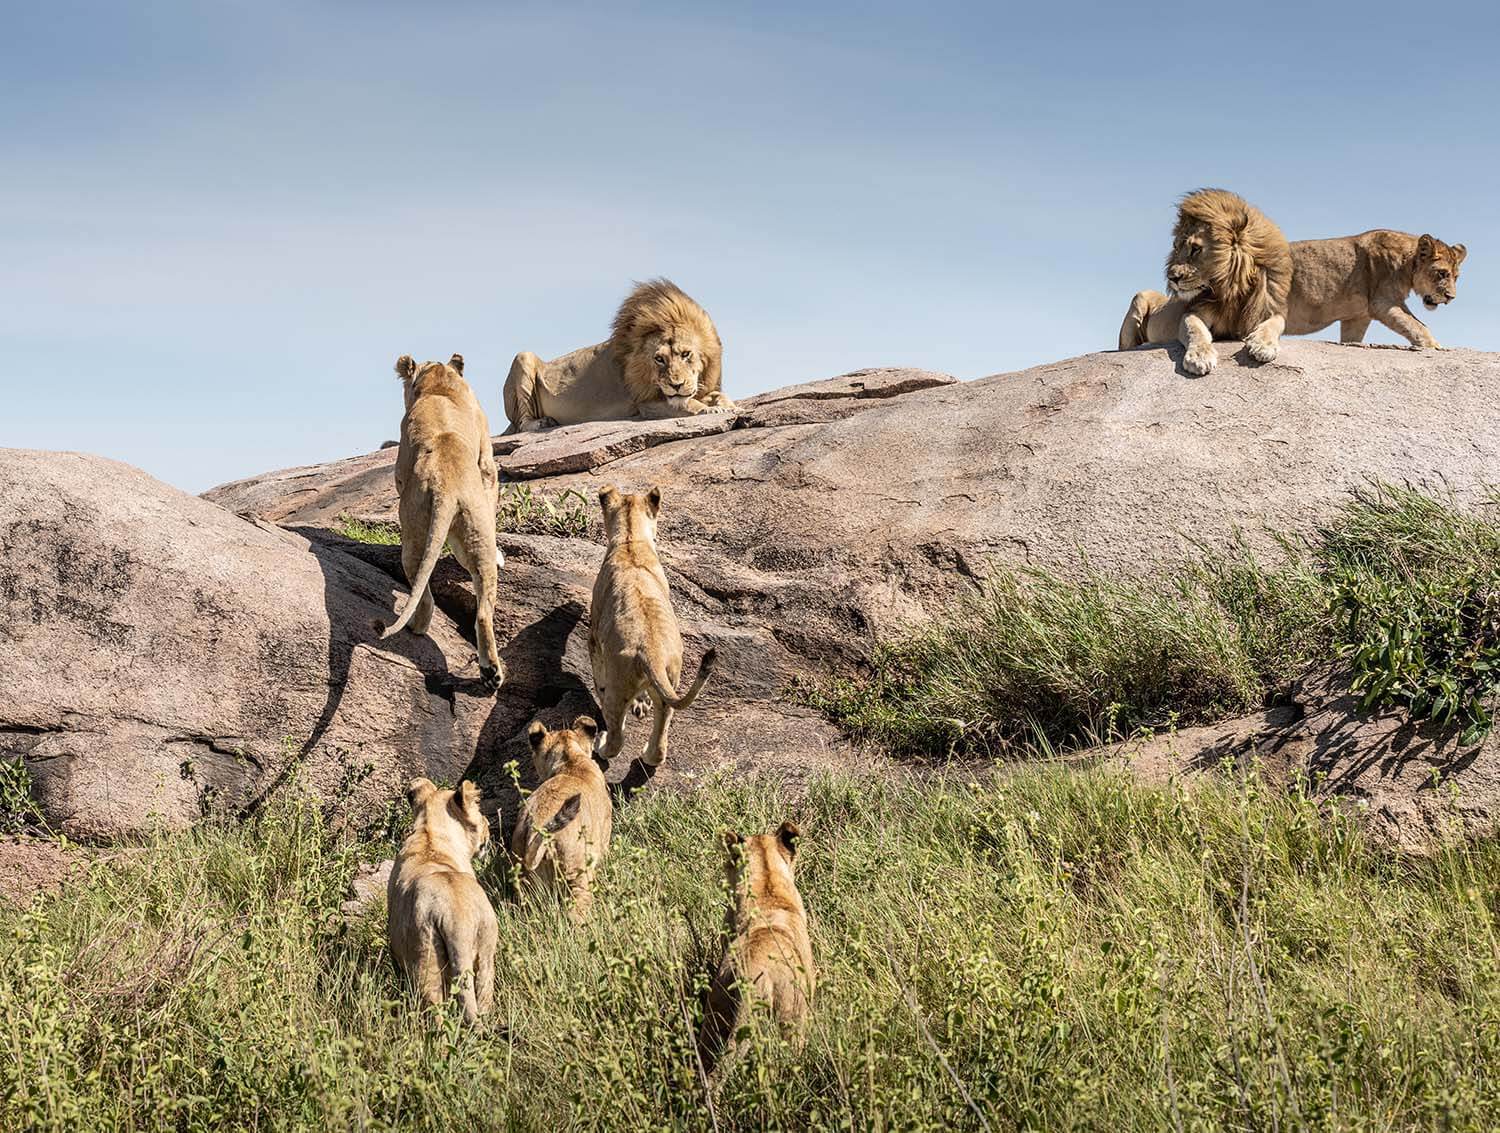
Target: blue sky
x=223, y=221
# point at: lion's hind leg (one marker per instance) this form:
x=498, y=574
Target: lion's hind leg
x=473, y=541
x=1352, y=331
x=1136, y=329
x=521, y=386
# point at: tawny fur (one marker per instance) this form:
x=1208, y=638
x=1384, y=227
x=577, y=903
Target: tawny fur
x=564, y=827
x=1230, y=273
x=1351, y=280
x=663, y=359
x=441, y=926
x=449, y=489
x=768, y=960
x=635, y=645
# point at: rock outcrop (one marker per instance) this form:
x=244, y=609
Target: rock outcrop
x=147, y=632
x=821, y=515
x=159, y=654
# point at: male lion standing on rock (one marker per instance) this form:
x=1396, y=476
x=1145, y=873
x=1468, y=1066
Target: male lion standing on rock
x=1230, y=274
x=634, y=643
x=449, y=489
x=663, y=359
x=1353, y=279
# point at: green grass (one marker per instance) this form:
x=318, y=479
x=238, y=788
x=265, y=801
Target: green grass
x=1403, y=587
x=1049, y=950
x=521, y=510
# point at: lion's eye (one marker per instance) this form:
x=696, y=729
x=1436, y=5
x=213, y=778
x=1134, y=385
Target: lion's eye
x=661, y=361
x=687, y=355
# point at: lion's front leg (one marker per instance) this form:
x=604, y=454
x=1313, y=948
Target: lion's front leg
x=716, y=402
x=1264, y=342
x=1201, y=357
x=1399, y=319
x=670, y=407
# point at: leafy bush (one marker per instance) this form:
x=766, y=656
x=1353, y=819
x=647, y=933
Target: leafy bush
x=529, y=512
x=364, y=531
x=1415, y=589
x=1049, y=950
x=17, y=807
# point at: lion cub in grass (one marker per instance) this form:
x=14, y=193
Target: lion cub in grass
x=634, y=643
x=442, y=928
x=449, y=489
x=769, y=958
x=563, y=832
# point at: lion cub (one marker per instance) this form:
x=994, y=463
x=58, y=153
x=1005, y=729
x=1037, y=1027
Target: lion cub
x=634, y=643
x=441, y=926
x=769, y=958
x=449, y=489
x=563, y=832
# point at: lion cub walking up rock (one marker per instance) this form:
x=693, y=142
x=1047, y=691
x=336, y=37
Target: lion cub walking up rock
x=449, y=489
x=769, y=959
x=441, y=926
x=563, y=832
x=634, y=642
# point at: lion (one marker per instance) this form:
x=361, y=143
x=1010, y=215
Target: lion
x=1230, y=273
x=663, y=359
x=635, y=645
x=564, y=828
x=449, y=489
x=769, y=957
x=441, y=926
x=1353, y=279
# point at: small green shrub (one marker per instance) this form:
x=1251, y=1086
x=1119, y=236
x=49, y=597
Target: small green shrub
x=362, y=531
x=1415, y=589
x=529, y=512
x=17, y=806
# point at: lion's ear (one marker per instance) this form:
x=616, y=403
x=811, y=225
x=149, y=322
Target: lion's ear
x=1425, y=247
x=419, y=792
x=1459, y=252
x=733, y=842
x=788, y=835
x=587, y=725
x=536, y=734
x=406, y=366
x=457, y=362
x=609, y=497
x=653, y=500
x=469, y=793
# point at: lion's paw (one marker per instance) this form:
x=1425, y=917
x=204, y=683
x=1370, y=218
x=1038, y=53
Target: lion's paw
x=640, y=706
x=1263, y=350
x=1200, y=360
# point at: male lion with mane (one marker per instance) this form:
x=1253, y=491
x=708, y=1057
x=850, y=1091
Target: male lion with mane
x=663, y=359
x=1230, y=274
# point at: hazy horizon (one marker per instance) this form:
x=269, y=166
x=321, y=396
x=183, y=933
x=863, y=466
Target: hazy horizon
x=226, y=223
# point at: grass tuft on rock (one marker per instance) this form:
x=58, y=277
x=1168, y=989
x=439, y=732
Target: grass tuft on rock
x=1403, y=587
x=1048, y=950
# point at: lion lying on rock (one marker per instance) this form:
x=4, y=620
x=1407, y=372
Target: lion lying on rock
x=1230, y=274
x=663, y=359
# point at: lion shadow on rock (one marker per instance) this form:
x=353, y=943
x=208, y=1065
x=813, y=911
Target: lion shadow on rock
x=1338, y=744
x=1177, y=352
x=346, y=596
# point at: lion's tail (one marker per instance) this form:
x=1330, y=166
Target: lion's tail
x=658, y=678
x=443, y=512
x=536, y=842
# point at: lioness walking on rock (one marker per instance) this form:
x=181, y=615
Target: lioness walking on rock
x=769, y=957
x=449, y=489
x=634, y=642
x=441, y=926
x=564, y=828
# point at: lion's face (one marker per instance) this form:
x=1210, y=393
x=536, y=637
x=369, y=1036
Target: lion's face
x=552, y=750
x=457, y=811
x=1187, y=264
x=677, y=360
x=1436, y=277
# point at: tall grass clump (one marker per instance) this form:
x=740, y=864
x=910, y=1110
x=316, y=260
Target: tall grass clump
x=1403, y=588
x=1051, y=950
